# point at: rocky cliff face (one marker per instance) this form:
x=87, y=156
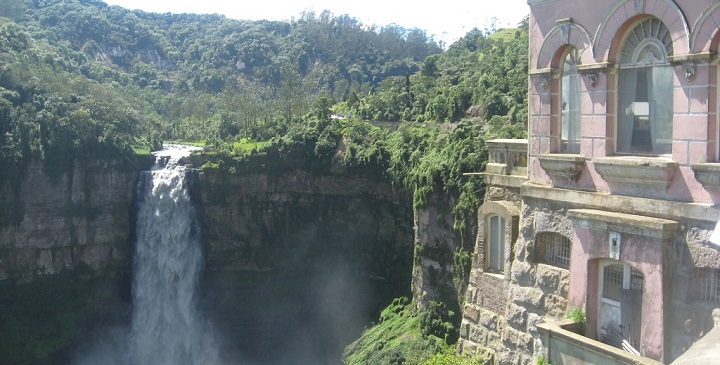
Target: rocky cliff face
x=64, y=257
x=436, y=243
x=298, y=265
x=80, y=218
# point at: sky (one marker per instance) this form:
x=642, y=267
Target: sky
x=445, y=20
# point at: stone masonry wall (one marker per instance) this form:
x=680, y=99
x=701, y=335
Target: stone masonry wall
x=501, y=314
x=536, y=292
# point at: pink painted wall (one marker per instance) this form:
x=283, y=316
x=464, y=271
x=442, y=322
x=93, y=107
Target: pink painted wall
x=643, y=254
x=596, y=27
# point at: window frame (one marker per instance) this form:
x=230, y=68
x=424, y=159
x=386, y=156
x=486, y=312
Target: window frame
x=497, y=246
x=544, y=240
x=706, y=285
x=643, y=53
x=570, y=120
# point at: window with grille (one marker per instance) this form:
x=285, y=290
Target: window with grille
x=553, y=249
x=613, y=281
x=706, y=284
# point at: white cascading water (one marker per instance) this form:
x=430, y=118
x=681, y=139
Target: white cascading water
x=166, y=328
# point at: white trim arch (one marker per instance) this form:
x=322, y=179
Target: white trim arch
x=565, y=33
x=706, y=29
x=618, y=15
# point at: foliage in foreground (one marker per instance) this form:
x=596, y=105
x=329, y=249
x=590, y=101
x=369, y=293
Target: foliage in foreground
x=396, y=339
x=404, y=336
x=449, y=356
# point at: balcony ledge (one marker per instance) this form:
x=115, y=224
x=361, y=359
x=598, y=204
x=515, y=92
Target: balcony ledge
x=563, y=346
x=645, y=172
x=708, y=174
x=562, y=166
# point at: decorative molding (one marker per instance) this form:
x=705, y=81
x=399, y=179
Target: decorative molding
x=640, y=6
x=640, y=172
x=612, y=18
x=614, y=245
x=562, y=166
x=708, y=174
x=701, y=57
x=592, y=71
x=544, y=81
x=707, y=213
x=707, y=14
x=565, y=29
x=690, y=61
x=542, y=76
x=592, y=79
x=541, y=71
x=561, y=35
x=619, y=223
x=599, y=67
x=689, y=70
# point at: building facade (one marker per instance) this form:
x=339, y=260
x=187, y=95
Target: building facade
x=609, y=205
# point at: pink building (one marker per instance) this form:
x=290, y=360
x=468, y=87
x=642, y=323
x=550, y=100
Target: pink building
x=610, y=205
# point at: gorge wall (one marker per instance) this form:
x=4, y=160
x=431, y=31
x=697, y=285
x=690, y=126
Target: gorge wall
x=82, y=217
x=296, y=265
x=64, y=256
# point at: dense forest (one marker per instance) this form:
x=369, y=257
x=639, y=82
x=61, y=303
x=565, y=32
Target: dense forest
x=83, y=80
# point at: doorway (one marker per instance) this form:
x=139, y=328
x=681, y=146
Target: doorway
x=620, y=305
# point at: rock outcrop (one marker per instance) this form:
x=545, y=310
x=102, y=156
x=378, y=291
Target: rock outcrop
x=83, y=217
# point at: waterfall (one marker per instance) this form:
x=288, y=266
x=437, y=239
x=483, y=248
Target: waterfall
x=166, y=327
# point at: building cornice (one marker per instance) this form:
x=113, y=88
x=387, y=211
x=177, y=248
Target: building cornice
x=666, y=209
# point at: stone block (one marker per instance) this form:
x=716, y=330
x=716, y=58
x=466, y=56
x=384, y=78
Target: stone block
x=506, y=358
x=471, y=313
x=492, y=339
x=555, y=306
x=516, y=316
x=525, y=342
x=488, y=319
x=464, y=330
x=477, y=335
x=532, y=321
x=510, y=337
x=548, y=278
x=523, y=273
x=492, y=294
x=527, y=296
x=473, y=334
x=517, y=340
x=702, y=255
x=564, y=285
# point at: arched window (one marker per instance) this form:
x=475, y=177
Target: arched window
x=570, y=102
x=645, y=90
x=496, y=246
x=553, y=249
